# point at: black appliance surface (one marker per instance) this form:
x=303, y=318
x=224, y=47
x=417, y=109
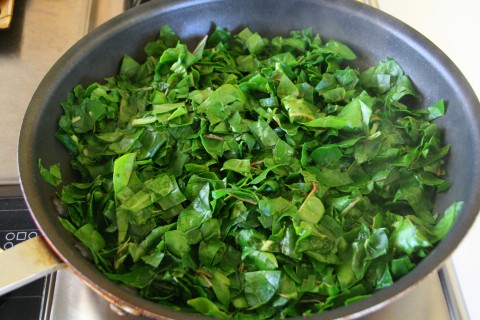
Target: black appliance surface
x=16, y=225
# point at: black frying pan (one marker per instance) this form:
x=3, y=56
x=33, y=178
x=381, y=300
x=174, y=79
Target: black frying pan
x=372, y=34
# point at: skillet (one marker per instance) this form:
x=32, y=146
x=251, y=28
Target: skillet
x=372, y=34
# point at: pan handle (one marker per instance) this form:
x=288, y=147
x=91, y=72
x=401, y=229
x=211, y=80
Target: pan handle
x=26, y=262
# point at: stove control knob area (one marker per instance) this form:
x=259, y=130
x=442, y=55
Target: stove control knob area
x=12, y=238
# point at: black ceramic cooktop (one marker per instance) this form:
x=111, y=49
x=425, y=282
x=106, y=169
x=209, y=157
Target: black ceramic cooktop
x=16, y=225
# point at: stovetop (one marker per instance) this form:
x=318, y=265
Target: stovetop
x=16, y=226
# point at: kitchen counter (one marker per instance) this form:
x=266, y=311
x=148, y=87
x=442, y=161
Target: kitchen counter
x=26, y=53
x=28, y=49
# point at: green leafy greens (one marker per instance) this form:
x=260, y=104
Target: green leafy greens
x=252, y=173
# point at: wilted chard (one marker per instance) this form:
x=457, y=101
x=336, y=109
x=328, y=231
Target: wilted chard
x=253, y=177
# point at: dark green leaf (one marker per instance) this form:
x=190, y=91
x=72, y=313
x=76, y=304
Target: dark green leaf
x=207, y=308
x=52, y=175
x=260, y=287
